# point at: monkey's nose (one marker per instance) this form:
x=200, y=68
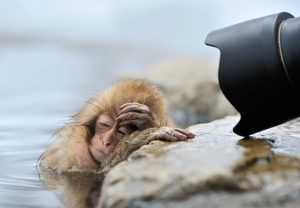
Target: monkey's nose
x=107, y=141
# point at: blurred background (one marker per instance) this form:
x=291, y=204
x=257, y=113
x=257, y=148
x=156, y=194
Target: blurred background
x=55, y=54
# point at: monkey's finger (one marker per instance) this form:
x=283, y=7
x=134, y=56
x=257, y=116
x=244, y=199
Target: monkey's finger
x=138, y=123
x=163, y=136
x=167, y=137
x=135, y=108
x=132, y=116
x=188, y=134
x=178, y=135
x=172, y=139
x=128, y=104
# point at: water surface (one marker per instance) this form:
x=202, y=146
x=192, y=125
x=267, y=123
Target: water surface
x=42, y=85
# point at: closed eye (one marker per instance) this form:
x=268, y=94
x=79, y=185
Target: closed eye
x=102, y=126
x=122, y=133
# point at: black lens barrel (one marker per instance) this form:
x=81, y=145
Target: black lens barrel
x=290, y=46
x=259, y=70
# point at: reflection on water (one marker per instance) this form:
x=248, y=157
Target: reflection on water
x=260, y=157
x=74, y=190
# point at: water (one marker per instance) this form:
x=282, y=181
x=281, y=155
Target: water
x=42, y=85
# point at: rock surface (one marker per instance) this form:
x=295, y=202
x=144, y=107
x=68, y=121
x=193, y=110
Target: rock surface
x=215, y=169
x=191, y=87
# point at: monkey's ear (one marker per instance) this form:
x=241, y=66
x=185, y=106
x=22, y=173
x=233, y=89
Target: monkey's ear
x=90, y=128
x=90, y=125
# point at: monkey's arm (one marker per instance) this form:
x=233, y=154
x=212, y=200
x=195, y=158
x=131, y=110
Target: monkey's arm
x=139, y=138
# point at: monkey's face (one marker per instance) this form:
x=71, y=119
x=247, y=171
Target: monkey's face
x=107, y=135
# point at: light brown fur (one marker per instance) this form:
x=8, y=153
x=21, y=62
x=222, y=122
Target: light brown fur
x=70, y=151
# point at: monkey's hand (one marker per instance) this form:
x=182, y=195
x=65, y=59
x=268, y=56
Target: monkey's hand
x=138, y=139
x=170, y=134
x=136, y=115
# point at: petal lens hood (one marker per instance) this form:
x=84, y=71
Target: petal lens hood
x=259, y=70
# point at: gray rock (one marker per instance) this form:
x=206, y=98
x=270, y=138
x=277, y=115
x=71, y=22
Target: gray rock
x=204, y=100
x=191, y=87
x=215, y=169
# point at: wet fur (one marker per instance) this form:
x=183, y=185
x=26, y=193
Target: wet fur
x=70, y=151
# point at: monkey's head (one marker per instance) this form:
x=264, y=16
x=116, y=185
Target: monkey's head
x=97, y=123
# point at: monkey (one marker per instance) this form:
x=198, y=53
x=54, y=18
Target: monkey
x=110, y=126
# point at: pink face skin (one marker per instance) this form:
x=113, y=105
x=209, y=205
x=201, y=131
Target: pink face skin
x=107, y=135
